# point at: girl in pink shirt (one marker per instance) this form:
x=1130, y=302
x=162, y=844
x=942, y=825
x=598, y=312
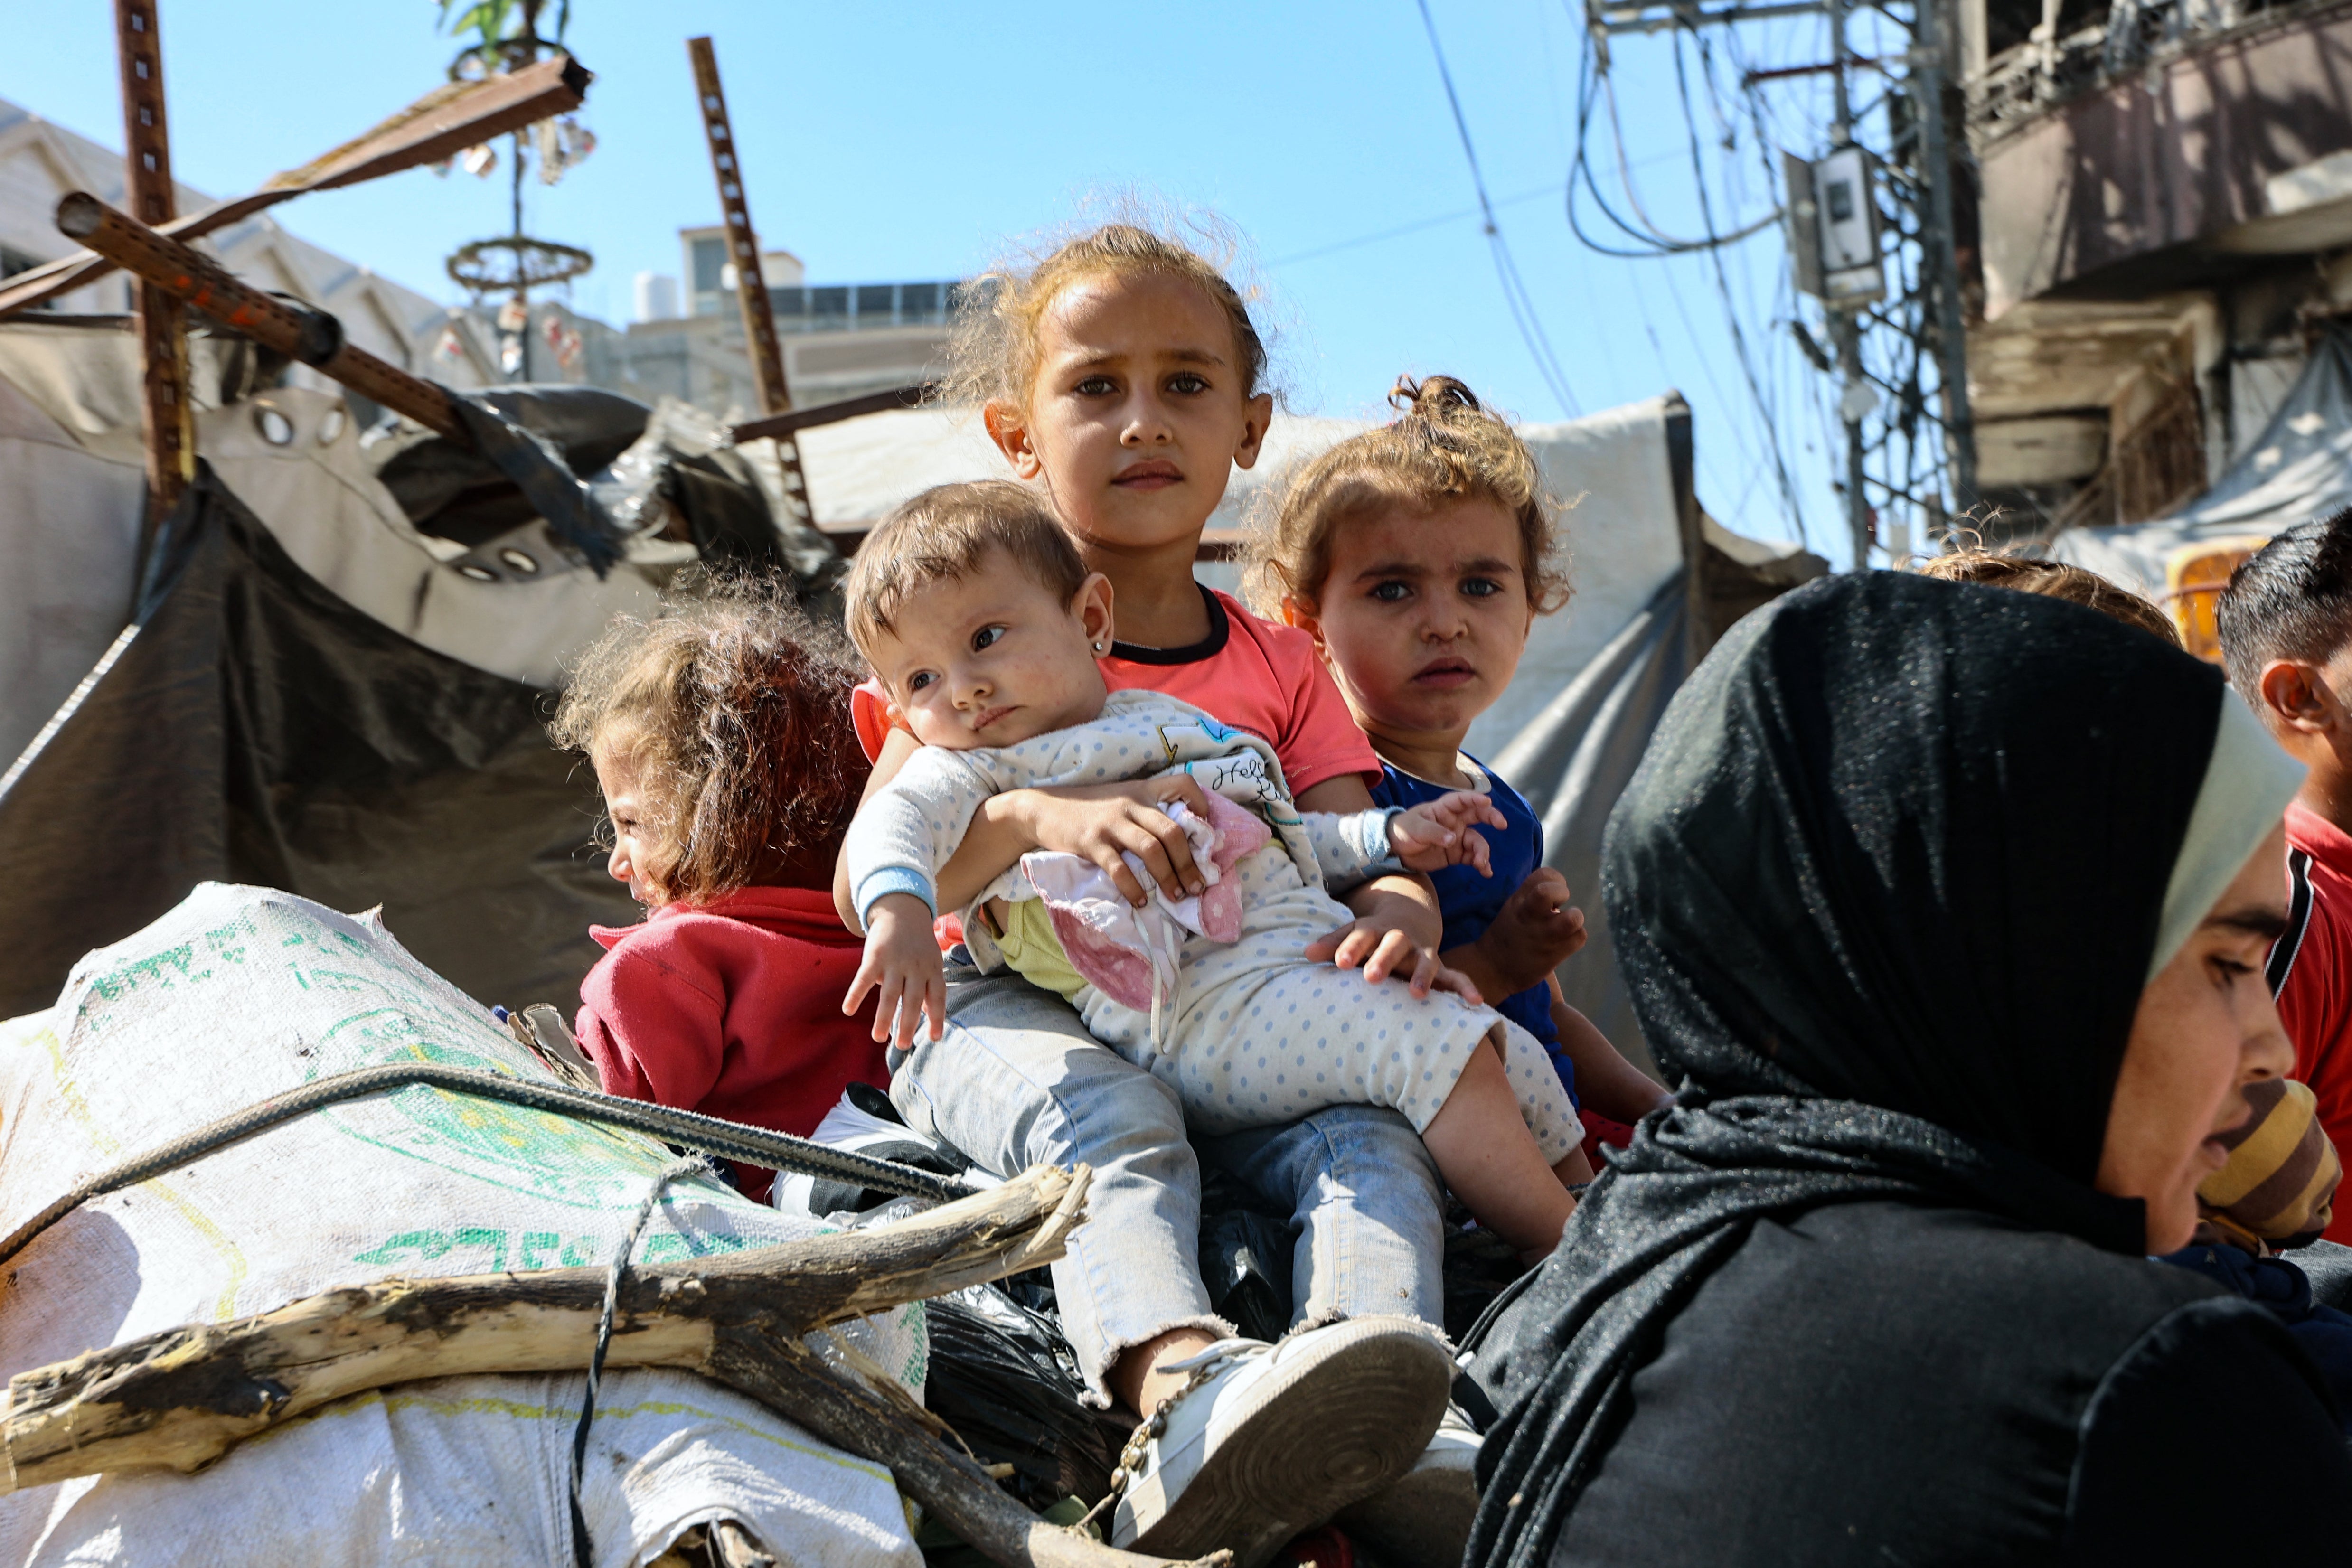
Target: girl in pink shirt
x=1122, y=376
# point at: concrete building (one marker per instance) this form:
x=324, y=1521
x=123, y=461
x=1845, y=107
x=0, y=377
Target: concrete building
x=2164, y=204
x=840, y=340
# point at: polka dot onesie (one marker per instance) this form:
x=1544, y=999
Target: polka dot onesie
x=1255, y=1035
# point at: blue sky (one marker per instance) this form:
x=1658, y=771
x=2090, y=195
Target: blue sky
x=912, y=140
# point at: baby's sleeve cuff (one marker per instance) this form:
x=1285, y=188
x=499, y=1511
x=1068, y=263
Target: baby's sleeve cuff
x=1380, y=855
x=892, y=879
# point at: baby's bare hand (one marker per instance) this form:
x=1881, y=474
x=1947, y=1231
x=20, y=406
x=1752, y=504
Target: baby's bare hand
x=902, y=963
x=1535, y=932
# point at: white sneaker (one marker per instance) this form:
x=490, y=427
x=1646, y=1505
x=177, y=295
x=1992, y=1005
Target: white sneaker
x=1271, y=1440
x=1423, y=1519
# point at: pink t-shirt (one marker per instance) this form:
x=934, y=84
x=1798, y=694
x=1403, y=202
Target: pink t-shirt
x=1247, y=672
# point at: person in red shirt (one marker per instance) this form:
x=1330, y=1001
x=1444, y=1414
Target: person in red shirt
x=728, y=779
x=2285, y=624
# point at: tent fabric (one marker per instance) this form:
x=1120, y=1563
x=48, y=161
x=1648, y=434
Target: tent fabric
x=70, y=533
x=254, y=729
x=1583, y=747
x=72, y=490
x=2299, y=468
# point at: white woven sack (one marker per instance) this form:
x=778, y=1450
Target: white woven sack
x=242, y=993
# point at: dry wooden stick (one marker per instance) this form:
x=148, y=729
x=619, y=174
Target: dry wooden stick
x=185, y=1397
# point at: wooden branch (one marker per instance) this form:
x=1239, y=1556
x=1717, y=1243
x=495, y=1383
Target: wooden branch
x=184, y=1397
x=788, y=1378
x=447, y=121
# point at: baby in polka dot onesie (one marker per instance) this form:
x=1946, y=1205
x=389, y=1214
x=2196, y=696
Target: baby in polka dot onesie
x=983, y=627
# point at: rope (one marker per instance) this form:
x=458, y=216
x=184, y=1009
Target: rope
x=687, y=1129
x=580, y=1546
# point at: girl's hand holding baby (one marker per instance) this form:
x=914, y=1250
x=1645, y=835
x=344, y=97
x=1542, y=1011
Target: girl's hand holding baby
x=1104, y=823
x=1438, y=835
x=902, y=957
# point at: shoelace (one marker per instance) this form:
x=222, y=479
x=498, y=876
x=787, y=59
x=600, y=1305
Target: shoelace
x=1203, y=1365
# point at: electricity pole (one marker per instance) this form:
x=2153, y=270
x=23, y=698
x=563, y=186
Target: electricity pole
x=1858, y=400
x=1930, y=54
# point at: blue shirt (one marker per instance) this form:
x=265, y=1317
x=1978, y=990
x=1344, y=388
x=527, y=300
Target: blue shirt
x=1469, y=903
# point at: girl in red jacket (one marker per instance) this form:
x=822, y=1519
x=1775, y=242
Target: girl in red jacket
x=728, y=778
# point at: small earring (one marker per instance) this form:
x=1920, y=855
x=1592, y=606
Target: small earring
x=1097, y=649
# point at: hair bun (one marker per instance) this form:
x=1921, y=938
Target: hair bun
x=1435, y=398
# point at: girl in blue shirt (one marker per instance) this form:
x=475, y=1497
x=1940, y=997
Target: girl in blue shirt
x=1418, y=556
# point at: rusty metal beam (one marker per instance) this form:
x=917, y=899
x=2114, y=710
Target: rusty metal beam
x=750, y=281
x=443, y=122
x=187, y=276
x=167, y=416
x=803, y=419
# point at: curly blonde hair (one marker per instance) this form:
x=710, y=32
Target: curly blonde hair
x=1447, y=448
x=994, y=351
x=732, y=706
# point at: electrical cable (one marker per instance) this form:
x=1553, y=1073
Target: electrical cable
x=1414, y=227
x=687, y=1129
x=1515, y=295
x=1723, y=287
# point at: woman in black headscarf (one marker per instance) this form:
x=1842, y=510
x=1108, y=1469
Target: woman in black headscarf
x=1948, y=905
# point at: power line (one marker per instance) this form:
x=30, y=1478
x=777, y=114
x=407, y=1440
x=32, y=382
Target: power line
x=1514, y=290
x=1730, y=311
x=1414, y=227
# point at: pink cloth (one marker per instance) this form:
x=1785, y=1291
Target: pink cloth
x=1131, y=954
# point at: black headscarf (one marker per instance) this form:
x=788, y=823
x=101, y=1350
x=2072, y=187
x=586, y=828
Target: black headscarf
x=1886, y=888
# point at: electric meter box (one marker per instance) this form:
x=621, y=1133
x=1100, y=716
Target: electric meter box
x=1846, y=209
x=1834, y=227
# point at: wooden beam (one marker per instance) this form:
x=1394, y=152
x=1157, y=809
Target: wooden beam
x=750, y=278
x=168, y=418
x=185, y=1397
x=445, y=121
x=187, y=276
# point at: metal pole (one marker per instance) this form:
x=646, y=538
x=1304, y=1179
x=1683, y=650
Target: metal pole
x=1844, y=328
x=521, y=372
x=182, y=274
x=168, y=416
x=750, y=281
x=1951, y=329
x=445, y=121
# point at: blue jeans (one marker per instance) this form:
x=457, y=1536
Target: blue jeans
x=1017, y=1081
x=1366, y=1198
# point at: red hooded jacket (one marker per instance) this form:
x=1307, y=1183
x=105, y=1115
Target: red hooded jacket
x=732, y=1009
